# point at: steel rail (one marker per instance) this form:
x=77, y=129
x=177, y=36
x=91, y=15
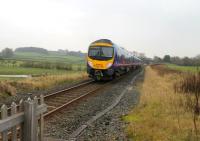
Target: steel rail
x=49, y=95
x=70, y=88
x=76, y=98
x=71, y=102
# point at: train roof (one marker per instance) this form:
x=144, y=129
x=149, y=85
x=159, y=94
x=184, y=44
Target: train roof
x=103, y=41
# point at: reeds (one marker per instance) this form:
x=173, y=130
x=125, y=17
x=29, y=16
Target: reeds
x=189, y=86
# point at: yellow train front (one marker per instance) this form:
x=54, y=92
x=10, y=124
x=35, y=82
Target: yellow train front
x=106, y=60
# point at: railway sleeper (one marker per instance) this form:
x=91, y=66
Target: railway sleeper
x=62, y=101
x=53, y=104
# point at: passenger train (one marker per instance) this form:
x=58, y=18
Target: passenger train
x=106, y=60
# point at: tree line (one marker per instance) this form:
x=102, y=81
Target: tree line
x=32, y=49
x=184, y=61
x=8, y=52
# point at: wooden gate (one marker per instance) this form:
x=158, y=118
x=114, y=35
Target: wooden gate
x=23, y=122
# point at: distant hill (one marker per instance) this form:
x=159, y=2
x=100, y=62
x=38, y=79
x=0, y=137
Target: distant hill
x=78, y=53
x=72, y=53
x=43, y=55
x=44, y=51
x=32, y=49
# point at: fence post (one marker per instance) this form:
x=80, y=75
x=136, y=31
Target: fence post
x=21, y=109
x=30, y=122
x=14, y=129
x=41, y=122
x=4, y=114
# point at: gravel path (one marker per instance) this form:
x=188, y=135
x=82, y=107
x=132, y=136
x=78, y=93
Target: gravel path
x=109, y=127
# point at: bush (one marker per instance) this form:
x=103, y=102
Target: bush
x=190, y=87
x=6, y=88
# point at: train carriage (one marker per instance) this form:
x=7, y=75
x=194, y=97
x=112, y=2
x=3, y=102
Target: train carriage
x=107, y=60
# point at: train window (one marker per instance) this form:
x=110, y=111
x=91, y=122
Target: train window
x=107, y=52
x=95, y=51
x=101, y=52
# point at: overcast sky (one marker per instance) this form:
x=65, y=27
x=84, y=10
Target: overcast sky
x=155, y=27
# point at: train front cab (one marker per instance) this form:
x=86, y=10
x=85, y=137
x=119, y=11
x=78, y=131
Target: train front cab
x=100, y=61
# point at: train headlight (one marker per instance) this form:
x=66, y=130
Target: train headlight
x=90, y=64
x=109, y=65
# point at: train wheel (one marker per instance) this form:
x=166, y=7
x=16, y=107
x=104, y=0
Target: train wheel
x=114, y=76
x=97, y=78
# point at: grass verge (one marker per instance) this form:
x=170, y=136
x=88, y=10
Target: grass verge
x=184, y=68
x=45, y=82
x=160, y=115
x=10, y=87
x=6, y=90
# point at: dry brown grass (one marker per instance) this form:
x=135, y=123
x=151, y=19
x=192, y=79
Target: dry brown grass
x=44, y=82
x=160, y=115
x=189, y=86
x=11, y=87
x=162, y=69
x=6, y=90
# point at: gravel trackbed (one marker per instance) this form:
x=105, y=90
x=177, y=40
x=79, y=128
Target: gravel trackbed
x=109, y=126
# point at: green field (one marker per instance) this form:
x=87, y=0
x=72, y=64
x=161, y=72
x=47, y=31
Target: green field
x=184, y=68
x=50, y=57
x=9, y=70
x=13, y=66
x=47, y=71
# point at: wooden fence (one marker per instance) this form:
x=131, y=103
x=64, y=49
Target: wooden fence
x=23, y=122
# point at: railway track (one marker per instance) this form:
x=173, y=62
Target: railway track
x=59, y=100
x=70, y=122
x=53, y=106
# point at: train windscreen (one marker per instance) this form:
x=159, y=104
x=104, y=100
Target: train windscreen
x=101, y=52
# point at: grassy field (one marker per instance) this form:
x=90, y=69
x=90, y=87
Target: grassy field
x=51, y=57
x=15, y=70
x=161, y=114
x=48, y=70
x=15, y=65
x=184, y=68
x=9, y=87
